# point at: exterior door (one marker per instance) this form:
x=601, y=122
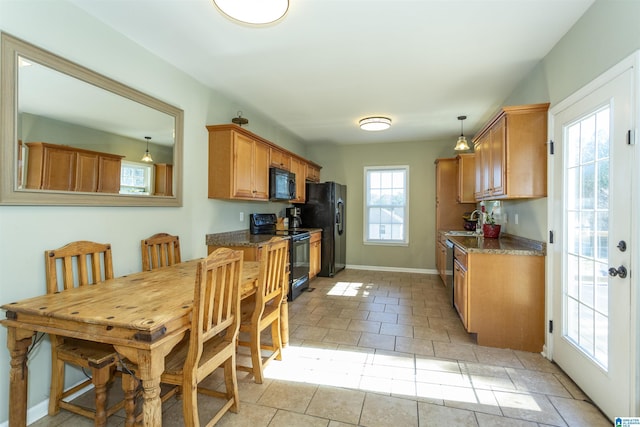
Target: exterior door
x=590, y=214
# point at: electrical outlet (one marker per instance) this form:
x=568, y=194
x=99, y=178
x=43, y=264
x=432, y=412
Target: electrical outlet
x=241, y=216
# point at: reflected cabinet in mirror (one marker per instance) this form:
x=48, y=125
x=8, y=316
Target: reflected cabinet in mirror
x=71, y=136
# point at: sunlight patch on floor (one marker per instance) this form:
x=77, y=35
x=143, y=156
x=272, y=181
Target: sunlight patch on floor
x=384, y=373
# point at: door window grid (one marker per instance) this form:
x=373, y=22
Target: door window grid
x=587, y=220
x=386, y=205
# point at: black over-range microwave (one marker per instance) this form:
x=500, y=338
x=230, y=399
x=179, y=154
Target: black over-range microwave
x=282, y=184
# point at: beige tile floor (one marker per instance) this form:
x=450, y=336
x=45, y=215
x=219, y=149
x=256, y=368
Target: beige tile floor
x=384, y=349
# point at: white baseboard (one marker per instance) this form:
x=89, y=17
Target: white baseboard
x=392, y=269
x=40, y=410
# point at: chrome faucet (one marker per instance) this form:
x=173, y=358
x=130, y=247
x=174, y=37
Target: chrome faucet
x=480, y=219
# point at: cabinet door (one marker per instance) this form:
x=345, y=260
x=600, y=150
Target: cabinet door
x=498, y=151
x=260, y=171
x=109, y=172
x=86, y=172
x=163, y=179
x=460, y=295
x=314, y=259
x=299, y=168
x=58, y=170
x=466, y=178
x=279, y=159
x=313, y=173
x=242, y=166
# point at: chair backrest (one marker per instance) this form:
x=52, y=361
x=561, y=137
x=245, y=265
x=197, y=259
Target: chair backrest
x=160, y=250
x=80, y=263
x=216, y=301
x=273, y=266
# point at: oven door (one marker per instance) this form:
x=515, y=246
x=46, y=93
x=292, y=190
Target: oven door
x=299, y=267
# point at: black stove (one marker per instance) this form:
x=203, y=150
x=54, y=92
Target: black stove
x=298, y=250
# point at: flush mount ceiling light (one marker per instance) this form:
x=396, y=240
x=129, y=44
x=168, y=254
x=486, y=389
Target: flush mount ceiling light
x=257, y=12
x=375, y=123
x=147, y=156
x=461, y=145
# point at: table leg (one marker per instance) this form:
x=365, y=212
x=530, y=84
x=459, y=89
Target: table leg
x=150, y=368
x=18, y=342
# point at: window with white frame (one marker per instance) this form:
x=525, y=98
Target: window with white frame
x=135, y=178
x=386, y=205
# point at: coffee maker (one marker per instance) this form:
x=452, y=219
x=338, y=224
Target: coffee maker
x=295, y=220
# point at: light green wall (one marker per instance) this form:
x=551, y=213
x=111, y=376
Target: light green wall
x=607, y=33
x=345, y=164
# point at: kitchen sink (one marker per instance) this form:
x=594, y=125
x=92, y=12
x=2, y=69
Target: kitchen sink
x=460, y=233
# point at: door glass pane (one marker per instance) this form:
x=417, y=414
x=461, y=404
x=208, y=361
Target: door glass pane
x=586, y=291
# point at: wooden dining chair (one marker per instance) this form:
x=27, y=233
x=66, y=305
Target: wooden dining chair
x=76, y=264
x=211, y=342
x=264, y=310
x=160, y=250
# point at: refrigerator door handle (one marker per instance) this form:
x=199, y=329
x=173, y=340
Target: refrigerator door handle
x=340, y=217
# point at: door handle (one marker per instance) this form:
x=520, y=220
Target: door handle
x=620, y=272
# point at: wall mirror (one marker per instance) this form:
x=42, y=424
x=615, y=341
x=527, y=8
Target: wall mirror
x=71, y=136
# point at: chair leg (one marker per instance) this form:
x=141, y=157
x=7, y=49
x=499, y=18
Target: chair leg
x=129, y=387
x=231, y=382
x=57, y=385
x=276, y=338
x=190, y=403
x=100, y=379
x=256, y=355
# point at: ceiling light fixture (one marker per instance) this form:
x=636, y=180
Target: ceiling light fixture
x=147, y=156
x=375, y=123
x=461, y=145
x=256, y=12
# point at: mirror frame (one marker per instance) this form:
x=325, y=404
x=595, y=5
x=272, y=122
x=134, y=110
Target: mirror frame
x=11, y=48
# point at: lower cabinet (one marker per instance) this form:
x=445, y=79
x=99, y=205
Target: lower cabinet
x=500, y=297
x=441, y=257
x=460, y=290
x=315, y=253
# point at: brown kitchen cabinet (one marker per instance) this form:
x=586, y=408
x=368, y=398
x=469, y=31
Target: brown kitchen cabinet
x=299, y=168
x=315, y=252
x=238, y=166
x=511, y=156
x=66, y=168
x=279, y=159
x=500, y=298
x=448, y=211
x=466, y=178
x=239, y=163
x=313, y=173
x=163, y=179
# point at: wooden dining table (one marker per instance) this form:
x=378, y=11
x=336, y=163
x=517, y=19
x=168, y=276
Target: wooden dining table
x=143, y=315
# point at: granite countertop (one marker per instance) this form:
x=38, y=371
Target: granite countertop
x=244, y=238
x=507, y=244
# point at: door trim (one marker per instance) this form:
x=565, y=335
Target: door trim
x=631, y=62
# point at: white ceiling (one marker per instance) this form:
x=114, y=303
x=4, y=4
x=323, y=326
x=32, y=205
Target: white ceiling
x=329, y=63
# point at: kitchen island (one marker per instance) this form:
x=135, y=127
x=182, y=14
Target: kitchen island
x=498, y=290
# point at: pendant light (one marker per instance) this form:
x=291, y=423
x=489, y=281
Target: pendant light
x=256, y=12
x=147, y=156
x=461, y=145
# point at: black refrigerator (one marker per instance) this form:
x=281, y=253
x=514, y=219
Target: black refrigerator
x=325, y=208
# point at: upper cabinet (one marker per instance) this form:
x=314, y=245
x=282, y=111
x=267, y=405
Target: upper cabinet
x=510, y=154
x=449, y=211
x=313, y=173
x=239, y=162
x=299, y=168
x=65, y=168
x=238, y=166
x=466, y=178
